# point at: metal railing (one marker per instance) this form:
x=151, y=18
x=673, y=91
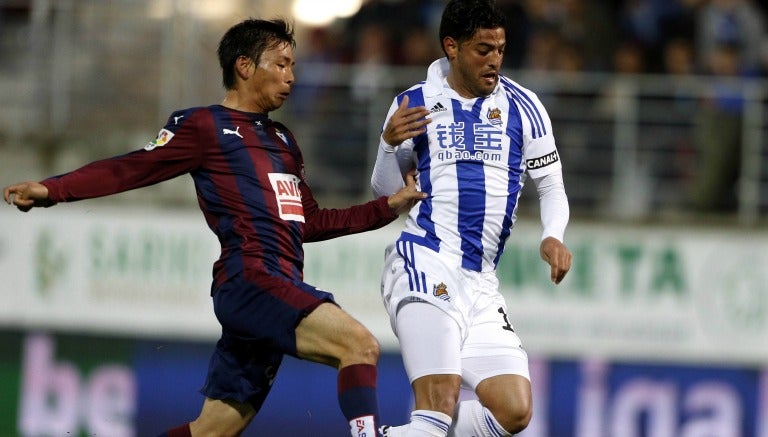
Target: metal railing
x=634, y=147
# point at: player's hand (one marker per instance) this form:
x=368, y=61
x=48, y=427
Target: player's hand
x=26, y=195
x=405, y=123
x=554, y=252
x=403, y=200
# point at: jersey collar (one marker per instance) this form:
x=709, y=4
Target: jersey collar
x=437, y=81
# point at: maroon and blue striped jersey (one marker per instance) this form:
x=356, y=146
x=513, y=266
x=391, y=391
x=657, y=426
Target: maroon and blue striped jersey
x=251, y=187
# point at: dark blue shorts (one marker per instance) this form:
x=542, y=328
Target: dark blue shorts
x=258, y=313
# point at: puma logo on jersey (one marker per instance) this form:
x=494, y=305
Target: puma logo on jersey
x=232, y=132
x=177, y=118
x=288, y=196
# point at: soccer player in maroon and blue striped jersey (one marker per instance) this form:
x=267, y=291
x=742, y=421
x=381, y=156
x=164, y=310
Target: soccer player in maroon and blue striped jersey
x=249, y=176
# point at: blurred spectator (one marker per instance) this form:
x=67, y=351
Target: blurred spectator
x=372, y=13
x=568, y=57
x=562, y=25
x=673, y=143
x=679, y=62
x=679, y=57
x=314, y=68
x=591, y=26
x=419, y=47
x=737, y=23
x=372, y=60
x=543, y=44
x=651, y=23
x=517, y=32
x=628, y=59
x=718, y=134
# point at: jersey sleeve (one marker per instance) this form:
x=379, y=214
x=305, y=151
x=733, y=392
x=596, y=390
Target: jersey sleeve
x=175, y=151
x=392, y=163
x=540, y=152
x=553, y=203
x=323, y=224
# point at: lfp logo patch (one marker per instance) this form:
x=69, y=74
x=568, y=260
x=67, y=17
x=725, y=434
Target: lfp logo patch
x=288, y=196
x=163, y=137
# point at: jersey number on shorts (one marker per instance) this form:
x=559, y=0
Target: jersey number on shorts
x=507, y=326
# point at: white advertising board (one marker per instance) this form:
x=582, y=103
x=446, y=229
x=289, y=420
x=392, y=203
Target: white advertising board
x=633, y=292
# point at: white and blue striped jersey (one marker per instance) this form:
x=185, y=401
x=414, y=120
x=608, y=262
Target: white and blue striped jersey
x=472, y=163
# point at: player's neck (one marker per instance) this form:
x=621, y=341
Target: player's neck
x=456, y=85
x=234, y=100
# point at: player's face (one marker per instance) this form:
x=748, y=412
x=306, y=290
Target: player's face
x=475, y=64
x=273, y=77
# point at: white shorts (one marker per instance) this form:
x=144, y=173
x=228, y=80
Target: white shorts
x=470, y=335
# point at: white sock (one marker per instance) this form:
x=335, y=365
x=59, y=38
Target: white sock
x=473, y=419
x=424, y=423
x=362, y=426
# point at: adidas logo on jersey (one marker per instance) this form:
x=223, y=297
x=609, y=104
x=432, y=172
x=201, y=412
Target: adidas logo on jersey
x=438, y=108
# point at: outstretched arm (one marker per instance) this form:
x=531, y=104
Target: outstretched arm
x=322, y=224
x=26, y=195
x=402, y=201
x=554, y=217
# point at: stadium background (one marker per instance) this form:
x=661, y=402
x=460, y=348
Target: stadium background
x=660, y=330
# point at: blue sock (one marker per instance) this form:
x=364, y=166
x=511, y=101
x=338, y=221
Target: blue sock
x=358, y=398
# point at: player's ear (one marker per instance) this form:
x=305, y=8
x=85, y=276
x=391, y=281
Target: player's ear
x=451, y=47
x=244, y=66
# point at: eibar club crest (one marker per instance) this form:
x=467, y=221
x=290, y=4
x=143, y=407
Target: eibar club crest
x=441, y=290
x=281, y=135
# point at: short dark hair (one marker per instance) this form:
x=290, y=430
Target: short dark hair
x=251, y=38
x=462, y=18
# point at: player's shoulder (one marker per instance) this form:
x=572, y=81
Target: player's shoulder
x=180, y=117
x=416, y=89
x=515, y=90
x=515, y=87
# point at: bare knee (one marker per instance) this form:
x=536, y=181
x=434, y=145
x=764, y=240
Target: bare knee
x=360, y=347
x=330, y=336
x=513, y=418
x=508, y=398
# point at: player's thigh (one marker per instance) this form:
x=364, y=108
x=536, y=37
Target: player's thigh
x=430, y=346
x=264, y=308
x=222, y=418
x=430, y=341
x=492, y=347
x=495, y=364
x=331, y=336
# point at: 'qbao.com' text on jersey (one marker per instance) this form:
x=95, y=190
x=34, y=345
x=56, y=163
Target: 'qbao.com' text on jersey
x=486, y=141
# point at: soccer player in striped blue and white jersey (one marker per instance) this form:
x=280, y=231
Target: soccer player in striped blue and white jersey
x=473, y=136
x=249, y=175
